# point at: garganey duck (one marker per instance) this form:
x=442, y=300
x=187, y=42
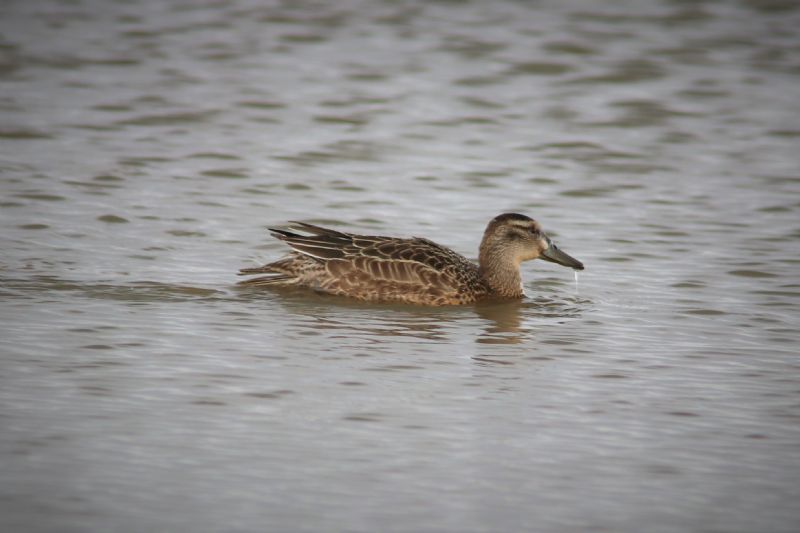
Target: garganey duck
x=415, y=270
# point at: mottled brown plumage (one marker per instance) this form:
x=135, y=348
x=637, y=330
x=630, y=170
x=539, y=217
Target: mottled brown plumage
x=415, y=270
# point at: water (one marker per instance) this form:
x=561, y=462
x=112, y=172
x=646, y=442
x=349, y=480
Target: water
x=145, y=147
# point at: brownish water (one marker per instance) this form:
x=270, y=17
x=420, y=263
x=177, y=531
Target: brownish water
x=146, y=145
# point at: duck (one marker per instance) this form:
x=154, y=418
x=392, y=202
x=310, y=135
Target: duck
x=408, y=270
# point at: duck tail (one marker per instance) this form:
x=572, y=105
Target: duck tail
x=277, y=279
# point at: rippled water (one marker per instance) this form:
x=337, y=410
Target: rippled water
x=146, y=146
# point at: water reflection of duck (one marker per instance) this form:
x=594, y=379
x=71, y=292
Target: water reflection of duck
x=415, y=270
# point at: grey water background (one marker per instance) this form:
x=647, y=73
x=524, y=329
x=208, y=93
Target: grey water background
x=145, y=146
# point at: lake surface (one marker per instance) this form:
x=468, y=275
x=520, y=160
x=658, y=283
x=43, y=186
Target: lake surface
x=146, y=146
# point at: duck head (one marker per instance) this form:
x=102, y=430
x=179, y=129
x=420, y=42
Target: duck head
x=509, y=240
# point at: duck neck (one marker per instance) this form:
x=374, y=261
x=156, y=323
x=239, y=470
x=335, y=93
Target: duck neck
x=502, y=276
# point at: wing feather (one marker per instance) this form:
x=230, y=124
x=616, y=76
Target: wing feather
x=319, y=230
x=365, y=261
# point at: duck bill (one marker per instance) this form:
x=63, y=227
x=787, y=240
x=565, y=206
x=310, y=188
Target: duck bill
x=555, y=255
